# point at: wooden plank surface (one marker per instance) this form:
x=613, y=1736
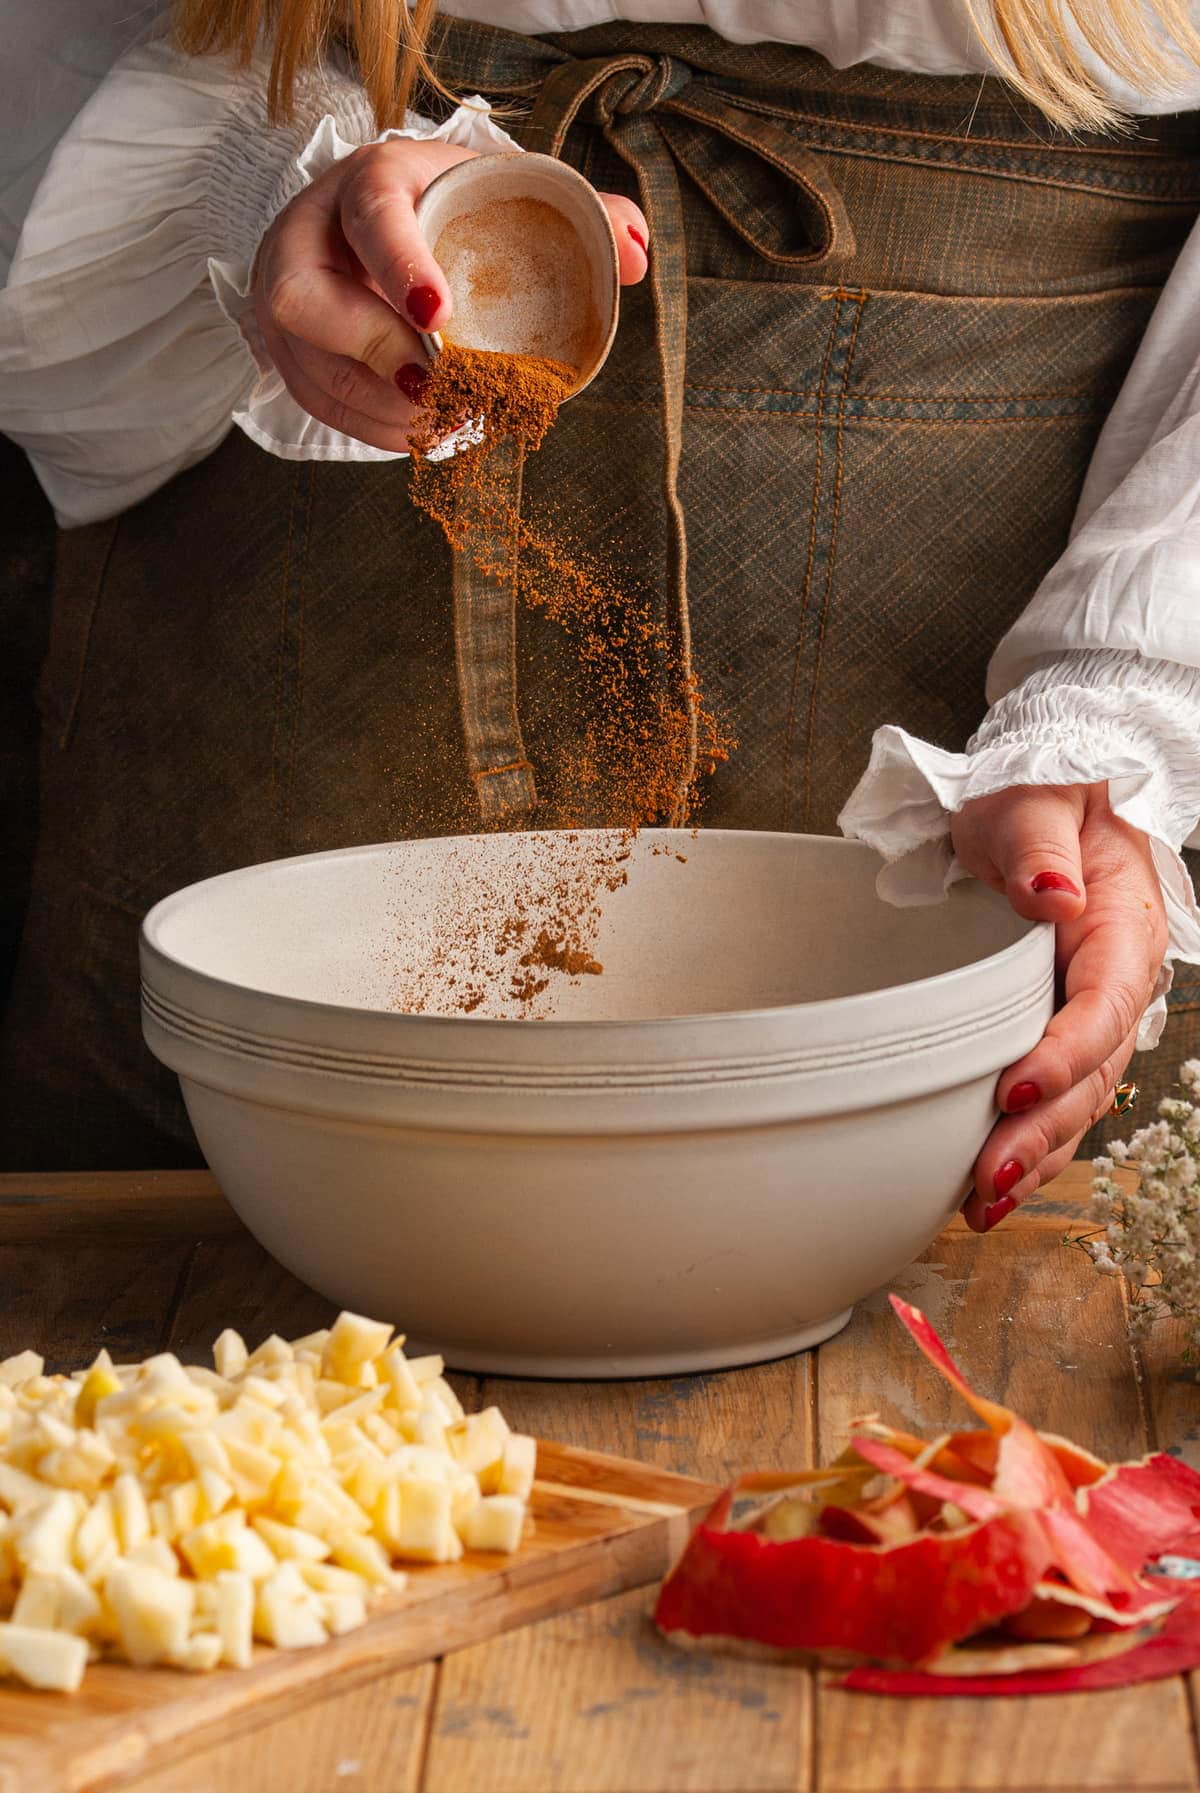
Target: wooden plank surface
x=590, y=1701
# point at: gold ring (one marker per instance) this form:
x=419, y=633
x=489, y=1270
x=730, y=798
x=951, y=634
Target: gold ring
x=1124, y=1098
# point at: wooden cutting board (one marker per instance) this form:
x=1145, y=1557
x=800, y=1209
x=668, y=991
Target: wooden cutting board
x=601, y=1524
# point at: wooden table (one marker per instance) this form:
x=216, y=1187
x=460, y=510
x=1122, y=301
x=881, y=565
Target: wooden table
x=592, y=1702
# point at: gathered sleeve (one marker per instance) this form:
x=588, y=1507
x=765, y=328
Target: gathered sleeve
x=1099, y=678
x=127, y=340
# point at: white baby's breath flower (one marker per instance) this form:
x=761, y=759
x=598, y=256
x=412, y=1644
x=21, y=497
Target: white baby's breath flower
x=1151, y=1233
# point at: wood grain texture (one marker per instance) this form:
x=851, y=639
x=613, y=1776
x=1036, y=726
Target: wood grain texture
x=594, y=1701
x=622, y=1531
x=368, y=1738
x=68, y=1298
x=1137, y=1737
x=143, y=1204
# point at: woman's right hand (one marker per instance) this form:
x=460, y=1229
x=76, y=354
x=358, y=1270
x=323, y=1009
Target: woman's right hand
x=344, y=280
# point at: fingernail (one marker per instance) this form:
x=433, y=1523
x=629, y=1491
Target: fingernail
x=1007, y=1177
x=639, y=239
x=413, y=381
x=993, y=1215
x=1055, y=881
x=423, y=302
x=1022, y=1095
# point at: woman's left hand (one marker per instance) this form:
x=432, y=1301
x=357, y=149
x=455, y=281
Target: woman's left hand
x=1060, y=854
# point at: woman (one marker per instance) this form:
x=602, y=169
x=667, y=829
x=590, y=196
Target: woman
x=907, y=304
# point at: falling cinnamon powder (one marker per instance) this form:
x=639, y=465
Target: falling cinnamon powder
x=633, y=762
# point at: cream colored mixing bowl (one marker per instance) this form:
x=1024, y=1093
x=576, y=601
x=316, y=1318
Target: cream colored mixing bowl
x=766, y=1105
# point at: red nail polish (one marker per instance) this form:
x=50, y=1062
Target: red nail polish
x=1022, y=1095
x=1054, y=881
x=1007, y=1177
x=993, y=1215
x=413, y=381
x=639, y=239
x=423, y=302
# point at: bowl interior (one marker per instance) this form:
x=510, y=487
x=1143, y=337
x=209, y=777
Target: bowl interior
x=529, y=255
x=711, y=923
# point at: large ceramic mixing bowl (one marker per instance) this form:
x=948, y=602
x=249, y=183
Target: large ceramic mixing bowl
x=764, y=1107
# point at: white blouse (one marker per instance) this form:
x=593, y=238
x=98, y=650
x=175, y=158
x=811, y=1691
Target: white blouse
x=127, y=350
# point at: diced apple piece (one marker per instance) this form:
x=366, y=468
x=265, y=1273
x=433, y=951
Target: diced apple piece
x=464, y=1494
x=252, y=1469
x=96, y=1540
x=328, y=1578
x=235, y=1618
x=184, y=1505
x=258, y=1388
x=53, y=1660
x=19, y=1491
x=403, y=1389
x=368, y=1558
x=426, y=1531
x=79, y=1607
x=291, y=1541
x=24, y=1367
x=230, y=1354
x=216, y=1493
x=248, y=1423
x=352, y=1344
x=101, y=1380
x=431, y=1427
x=287, y=1612
x=427, y=1369
x=155, y=1553
x=478, y=1440
x=55, y=1433
x=342, y=1612
x=496, y=1524
x=43, y=1536
x=273, y=1350
x=227, y=1543
x=446, y=1395
x=37, y=1602
x=206, y=1451
x=130, y=1511
x=518, y=1466
x=201, y=1652
x=153, y=1612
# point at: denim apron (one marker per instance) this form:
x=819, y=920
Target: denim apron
x=840, y=438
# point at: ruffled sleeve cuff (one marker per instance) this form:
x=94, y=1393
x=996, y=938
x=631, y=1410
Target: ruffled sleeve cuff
x=1083, y=718
x=270, y=416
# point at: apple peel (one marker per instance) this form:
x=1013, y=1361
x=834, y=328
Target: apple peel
x=997, y=1560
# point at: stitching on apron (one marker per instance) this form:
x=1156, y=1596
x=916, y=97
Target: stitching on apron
x=277, y=724
x=301, y=626
x=485, y=638
x=861, y=302
x=818, y=462
x=68, y=726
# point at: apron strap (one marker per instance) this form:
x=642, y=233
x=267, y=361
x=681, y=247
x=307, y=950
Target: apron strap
x=485, y=643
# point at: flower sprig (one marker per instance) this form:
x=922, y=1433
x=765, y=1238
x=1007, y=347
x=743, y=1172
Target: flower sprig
x=1151, y=1234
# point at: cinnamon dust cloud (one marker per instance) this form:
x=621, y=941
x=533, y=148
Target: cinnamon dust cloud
x=629, y=760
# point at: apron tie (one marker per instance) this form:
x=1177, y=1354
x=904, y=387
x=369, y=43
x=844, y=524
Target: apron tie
x=660, y=114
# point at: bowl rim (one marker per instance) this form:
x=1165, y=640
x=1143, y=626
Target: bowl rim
x=1029, y=944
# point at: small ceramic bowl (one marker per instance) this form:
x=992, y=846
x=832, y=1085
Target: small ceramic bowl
x=528, y=251
x=765, y=1106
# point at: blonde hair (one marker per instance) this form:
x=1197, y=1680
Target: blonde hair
x=388, y=40
x=1039, y=45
